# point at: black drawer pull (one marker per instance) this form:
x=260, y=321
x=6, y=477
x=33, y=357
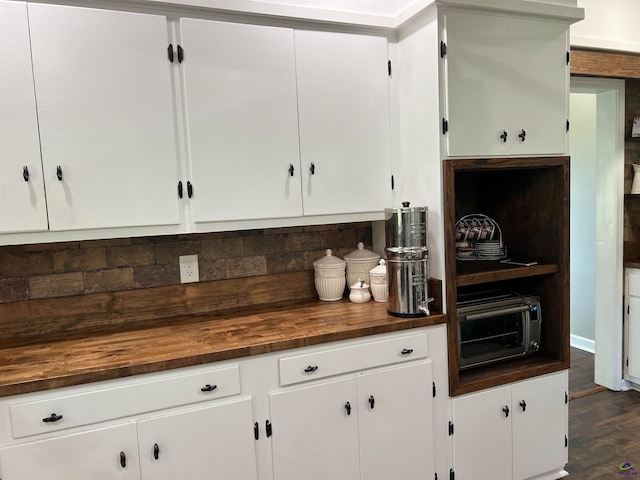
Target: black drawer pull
x=291, y=169
x=189, y=189
x=522, y=135
x=523, y=404
x=59, y=172
x=312, y=168
x=407, y=351
x=506, y=411
x=372, y=402
x=156, y=451
x=123, y=460
x=311, y=369
x=347, y=407
x=25, y=173
x=180, y=189
x=208, y=388
x=52, y=418
x=503, y=136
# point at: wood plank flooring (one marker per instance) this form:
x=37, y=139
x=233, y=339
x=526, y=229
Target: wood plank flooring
x=604, y=426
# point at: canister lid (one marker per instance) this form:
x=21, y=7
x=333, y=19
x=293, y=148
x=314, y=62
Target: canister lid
x=406, y=208
x=362, y=255
x=380, y=269
x=329, y=261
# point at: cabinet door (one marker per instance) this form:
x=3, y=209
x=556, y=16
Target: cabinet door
x=477, y=84
x=22, y=199
x=109, y=453
x=242, y=120
x=207, y=443
x=482, y=435
x=540, y=425
x=105, y=110
x=540, y=87
x=315, y=433
x=396, y=423
x=633, y=338
x=343, y=102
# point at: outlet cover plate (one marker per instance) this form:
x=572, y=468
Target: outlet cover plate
x=189, y=272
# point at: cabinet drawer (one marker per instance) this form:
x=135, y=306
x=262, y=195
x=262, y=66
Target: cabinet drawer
x=41, y=416
x=634, y=284
x=325, y=363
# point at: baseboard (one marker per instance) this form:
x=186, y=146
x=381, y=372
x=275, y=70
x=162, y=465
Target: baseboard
x=583, y=343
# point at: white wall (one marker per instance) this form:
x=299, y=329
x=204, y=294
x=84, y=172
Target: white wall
x=608, y=24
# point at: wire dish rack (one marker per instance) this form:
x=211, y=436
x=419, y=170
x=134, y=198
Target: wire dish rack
x=479, y=237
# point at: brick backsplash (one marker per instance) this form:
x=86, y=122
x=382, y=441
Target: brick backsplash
x=78, y=268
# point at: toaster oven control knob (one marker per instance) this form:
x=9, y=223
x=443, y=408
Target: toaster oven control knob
x=534, y=346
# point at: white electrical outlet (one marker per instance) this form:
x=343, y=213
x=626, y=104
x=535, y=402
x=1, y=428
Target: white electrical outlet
x=189, y=269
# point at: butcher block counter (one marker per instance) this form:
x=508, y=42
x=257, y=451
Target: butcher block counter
x=51, y=344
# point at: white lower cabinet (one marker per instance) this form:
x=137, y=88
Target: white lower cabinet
x=109, y=453
x=512, y=432
x=632, y=327
x=371, y=426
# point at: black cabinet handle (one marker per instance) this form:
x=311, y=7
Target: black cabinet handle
x=59, y=172
x=170, y=53
x=407, y=351
x=506, y=411
x=180, y=189
x=123, y=460
x=52, y=418
x=312, y=169
x=347, y=407
x=180, y=54
x=291, y=169
x=311, y=369
x=523, y=404
x=503, y=136
x=25, y=173
x=372, y=402
x=156, y=451
x=522, y=135
x=208, y=388
x=189, y=189
x=268, y=428
x=256, y=431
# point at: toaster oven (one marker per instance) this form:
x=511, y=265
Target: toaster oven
x=497, y=325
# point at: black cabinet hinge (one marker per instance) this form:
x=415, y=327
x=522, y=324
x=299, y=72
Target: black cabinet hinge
x=568, y=57
x=256, y=431
x=450, y=428
x=434, y=389
x=567, y=125
x=393, y=182
x=452, y=475
x=443, y=49
x=566, y=398
x=445, y=126
x=170, y=52
x=268, y=428
x=180, y=54
x=566, y=442
x=389, y=67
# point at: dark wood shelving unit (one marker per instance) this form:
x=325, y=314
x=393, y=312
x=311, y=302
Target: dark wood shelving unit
x=529, y=199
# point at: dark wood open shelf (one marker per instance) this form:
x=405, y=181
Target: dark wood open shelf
x=529, y=199
x=479, y=272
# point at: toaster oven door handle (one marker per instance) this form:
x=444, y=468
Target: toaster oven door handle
x=496, y=313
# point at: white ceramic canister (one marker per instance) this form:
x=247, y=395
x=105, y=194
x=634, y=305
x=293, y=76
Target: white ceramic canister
x=330, y=277
x=379, y=283
x=359, y=262
x=359, y=292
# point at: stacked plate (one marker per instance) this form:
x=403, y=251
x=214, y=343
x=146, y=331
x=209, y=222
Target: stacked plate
x=489, y=250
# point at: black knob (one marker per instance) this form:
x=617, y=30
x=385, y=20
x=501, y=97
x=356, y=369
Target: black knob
x=503, y=136
x=25, y=173
x=406, y=204
x=180, y=189
x=156, y=451
x=52, y=418
x=407, y=351
x=522, y=135
x=208, y=388
x=59, y=172
x=347, y=407
x=291, y=169
x=123, y=460
x=372, y=402
x=312, y=169
x=523, y=404
x=506, y=411
x=310, y=369
x=189, y=190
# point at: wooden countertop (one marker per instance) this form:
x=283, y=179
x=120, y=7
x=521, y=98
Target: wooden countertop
x=195, y=339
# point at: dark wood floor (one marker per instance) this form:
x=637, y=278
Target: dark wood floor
x=604, y=426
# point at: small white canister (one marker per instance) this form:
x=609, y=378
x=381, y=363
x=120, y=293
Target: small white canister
x=330, y=277
x=359, y=262
x=379, y=283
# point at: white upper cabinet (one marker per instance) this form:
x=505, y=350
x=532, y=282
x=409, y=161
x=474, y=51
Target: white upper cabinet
x=506, y=85
x=22, y=199
x=105, y=110
x=343, y=102
x=242, y=117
